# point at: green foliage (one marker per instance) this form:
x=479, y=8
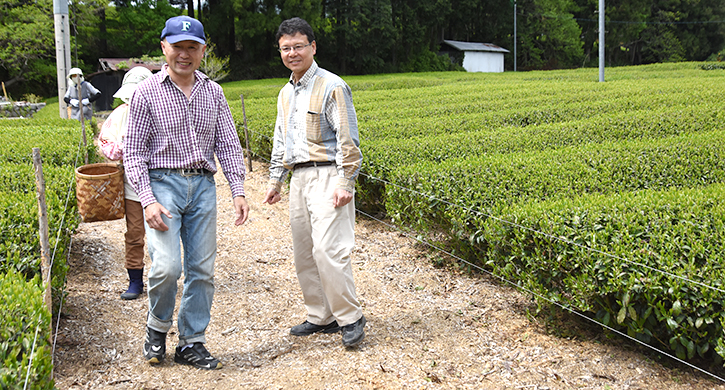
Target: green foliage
x=549, y=36
x=59, y=144
x=576, y=190
x=27, y=40
x=25, y=349
x=213, y=66
x=134, y=30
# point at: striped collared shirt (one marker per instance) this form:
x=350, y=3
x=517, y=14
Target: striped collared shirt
x=168, y=130
x=316, y=121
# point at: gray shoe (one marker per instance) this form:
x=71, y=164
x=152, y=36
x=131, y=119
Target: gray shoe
x=197, y=356
x=307, y=328
x=154, y=349
x=354, y=333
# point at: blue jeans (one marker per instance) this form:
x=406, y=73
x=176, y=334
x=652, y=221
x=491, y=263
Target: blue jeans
x=191, y=200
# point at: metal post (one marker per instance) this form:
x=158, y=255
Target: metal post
x=62, y=51
x=601, y=41
x=515, y=36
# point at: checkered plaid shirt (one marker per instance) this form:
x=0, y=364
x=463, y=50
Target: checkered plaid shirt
x=167, y=130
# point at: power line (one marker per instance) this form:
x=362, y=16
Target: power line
x=569, y=309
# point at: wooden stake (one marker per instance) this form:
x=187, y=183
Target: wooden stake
x=43, y=219
x=5, y=93
x=246, y=134
x=83, y=121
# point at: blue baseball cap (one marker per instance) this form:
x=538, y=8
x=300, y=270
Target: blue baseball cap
x=183, y=28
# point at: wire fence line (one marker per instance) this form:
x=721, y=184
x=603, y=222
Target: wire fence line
x=32, y=351
x=519, y=226
x=67, y=257
x=566, y=308
x=435, y=247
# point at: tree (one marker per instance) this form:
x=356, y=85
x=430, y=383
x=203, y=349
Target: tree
x=420, y=26
x=134, y=30
x=27, y=42
x=549, y=37
x=361, y=36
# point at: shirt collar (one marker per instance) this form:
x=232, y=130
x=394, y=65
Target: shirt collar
x=307, y=77
x=165, y=75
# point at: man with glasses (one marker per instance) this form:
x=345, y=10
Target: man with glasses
x=316, y=137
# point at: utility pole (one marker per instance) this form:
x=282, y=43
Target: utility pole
x=62, y=51
x=514, y=35
x=601, y=41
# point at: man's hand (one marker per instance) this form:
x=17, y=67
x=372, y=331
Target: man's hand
x=153, y=214
x=74, y=102
x=241, y=208
x=272, y=196
x=341, y=197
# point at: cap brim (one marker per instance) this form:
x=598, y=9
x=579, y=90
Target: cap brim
x=179, y=38
x=125, y=91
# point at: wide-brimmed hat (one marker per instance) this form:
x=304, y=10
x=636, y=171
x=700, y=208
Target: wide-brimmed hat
x=74, y=71
x=130, y=80
x=183, y=28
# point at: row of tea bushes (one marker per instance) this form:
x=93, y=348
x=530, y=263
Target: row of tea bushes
x=25, y=348
x=507, y=144
x=647, y=263
x=23, y=310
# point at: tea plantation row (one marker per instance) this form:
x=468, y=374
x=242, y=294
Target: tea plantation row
x=603, y=197
x=25, y=338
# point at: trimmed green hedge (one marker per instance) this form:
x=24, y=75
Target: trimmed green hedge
x=24, y=334
x=621, y=259
x=556, y=151
x=60, y=148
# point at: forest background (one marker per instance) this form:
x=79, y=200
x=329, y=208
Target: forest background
x=363, y=36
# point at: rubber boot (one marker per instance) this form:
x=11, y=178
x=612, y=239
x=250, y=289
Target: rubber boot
x=135, y=284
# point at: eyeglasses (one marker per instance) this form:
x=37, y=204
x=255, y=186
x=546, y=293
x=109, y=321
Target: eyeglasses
x=296, y=48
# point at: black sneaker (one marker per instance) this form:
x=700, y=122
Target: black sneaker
x=354, y=333
x=154, y=349
x=307, y=328
x=197, y=356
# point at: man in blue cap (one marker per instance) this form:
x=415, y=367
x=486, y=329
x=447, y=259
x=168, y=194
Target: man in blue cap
x=178, y=120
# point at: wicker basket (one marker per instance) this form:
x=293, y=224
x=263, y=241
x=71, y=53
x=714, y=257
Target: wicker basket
x=99, y=191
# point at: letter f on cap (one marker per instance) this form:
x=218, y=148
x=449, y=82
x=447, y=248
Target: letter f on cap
x=185, y=26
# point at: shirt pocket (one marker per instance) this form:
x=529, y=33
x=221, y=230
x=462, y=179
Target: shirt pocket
x=314, y=130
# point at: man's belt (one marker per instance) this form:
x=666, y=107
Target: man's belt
x=185, y=171
x=312, y=164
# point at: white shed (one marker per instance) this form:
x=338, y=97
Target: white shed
x=479, y=57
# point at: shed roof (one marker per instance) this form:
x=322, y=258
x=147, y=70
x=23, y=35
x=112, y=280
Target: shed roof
x=112, y=64
x=475, y=46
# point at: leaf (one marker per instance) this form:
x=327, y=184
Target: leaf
x=633, y=313
x=621, y=315
x=625, y=299
x=672, y=324
x=676, y=308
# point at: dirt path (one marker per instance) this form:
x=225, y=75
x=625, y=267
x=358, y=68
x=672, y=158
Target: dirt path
x=427, y=328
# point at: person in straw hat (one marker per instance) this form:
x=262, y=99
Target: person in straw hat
x=111, y=141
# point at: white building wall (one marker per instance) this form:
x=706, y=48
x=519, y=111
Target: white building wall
x=479, y=61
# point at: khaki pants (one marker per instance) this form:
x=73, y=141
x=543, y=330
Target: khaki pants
x=135, y=234
x=323, y=237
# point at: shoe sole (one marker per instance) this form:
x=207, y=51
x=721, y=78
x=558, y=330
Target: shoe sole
x=327, y=331
x=154, y=360
x=184, y=362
